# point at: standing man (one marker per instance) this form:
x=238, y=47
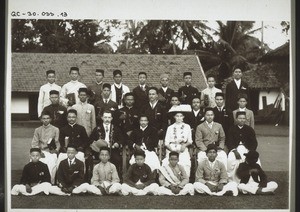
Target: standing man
x=236, y=87
x=209, y=93
x=165, y=93
x=69, y=91
x=44, y=99
x=141, y=91
x=86, y=116
x=156, y=112
x=210, y=132
x=118, y=89
x=223, y=115
x=187, y=92
x=57, y=112
x=105, y=103
x=95, y=89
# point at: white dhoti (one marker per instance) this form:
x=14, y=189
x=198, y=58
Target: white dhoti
x=202, y=188
x=50, y=160
x=187, y=189
x=252, y=187
x=85, y=187
x=39, y=188
x=152, y=188
x=222, y=157
x=184, y=160
x=151, y=160
x=233, y=163
x=57, y=191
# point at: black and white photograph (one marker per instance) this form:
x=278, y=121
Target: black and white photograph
x=148, y=113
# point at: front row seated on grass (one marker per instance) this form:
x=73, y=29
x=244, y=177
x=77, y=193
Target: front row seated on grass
x=211, y=177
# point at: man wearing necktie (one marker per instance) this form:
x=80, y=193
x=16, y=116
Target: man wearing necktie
x=223, y=115
x=109, y=135
x=210, y=132
x=105, y=103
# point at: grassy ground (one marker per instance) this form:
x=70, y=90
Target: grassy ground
x=273, y=146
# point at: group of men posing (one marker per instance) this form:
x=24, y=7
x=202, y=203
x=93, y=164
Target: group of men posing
x=209, y=148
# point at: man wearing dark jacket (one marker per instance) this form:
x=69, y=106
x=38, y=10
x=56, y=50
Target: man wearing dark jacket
x=251, y=169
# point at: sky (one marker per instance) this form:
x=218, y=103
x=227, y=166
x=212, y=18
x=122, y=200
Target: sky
x=272, y=34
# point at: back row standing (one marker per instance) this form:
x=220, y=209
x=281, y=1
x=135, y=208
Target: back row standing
x=69, y=91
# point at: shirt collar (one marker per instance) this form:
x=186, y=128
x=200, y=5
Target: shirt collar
x=242, y=109
x=72, y=161
x=46, y=127
x=209, y=124
x=154, y=104
x=165, y=88
x=196, y=112
x=212, y=164
x=104, y=125
x=118, y=86
x=72, y=125
x=51, y=84
x=83, y=103
x=240, y=126
x=143, y=128
x=99, y=83
x=74, y=81
x=238, y=81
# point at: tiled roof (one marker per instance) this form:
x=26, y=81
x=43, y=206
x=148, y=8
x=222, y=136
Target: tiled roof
x=28, y=69
x=260, y=76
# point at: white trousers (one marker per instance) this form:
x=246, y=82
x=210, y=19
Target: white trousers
x=83, y=188
x=252, y=187
x=202, y=188
x=50, y=160
x=151, y=160
x=187, y=189
x=39, y=188
x=222, y=157
x=233, y=163
x=152, y=188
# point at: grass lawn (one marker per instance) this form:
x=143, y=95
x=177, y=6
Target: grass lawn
x=274, y=155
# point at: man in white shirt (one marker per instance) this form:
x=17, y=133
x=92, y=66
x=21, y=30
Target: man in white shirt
x=69, y=91
x=118, y=89
x=44, y=97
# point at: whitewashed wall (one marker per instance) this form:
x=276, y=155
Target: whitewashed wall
x=20, y=103
x=271, y=97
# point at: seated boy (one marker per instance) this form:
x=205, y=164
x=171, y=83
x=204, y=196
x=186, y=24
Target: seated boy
x=211, y=175
x=105, y=175
x=35, y=177
x=46, y=138
x=253, y=178
x=139, y=179
x=70, y=176
x=174, y=179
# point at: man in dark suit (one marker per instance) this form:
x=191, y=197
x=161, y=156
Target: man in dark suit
x=105, y=103
x=109, y=135
x=70, y=175
x=165, y=93
x=156, y=113
x=141, y=91
x=235, y=88
x=95, y=89
x=57, y=112
x=74, y=134
x=187, y=92
x=241, y=139
x=127, y=117
x=222, y=115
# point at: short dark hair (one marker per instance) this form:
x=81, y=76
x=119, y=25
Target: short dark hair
x=143, y=115
x=106, y=85
x=74, y=69
x=46, y=113
x=139, y=153
x=100, y=71
x=128, y=94
x=116, y=72
x=142, y=72
x=105, y=148
x=35, y=149
x=173, y=153
x=238, y=113
x=106, y=111
x=210, y=75
x=53, y=92
x=72, y=111
x=72, y=146
x=50, y=72
x=84, y=90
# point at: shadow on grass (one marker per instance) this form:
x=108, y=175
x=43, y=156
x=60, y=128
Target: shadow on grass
x=277, y=201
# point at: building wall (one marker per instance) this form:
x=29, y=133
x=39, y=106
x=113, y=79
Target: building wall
x=19, y=103
x=270, y=95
